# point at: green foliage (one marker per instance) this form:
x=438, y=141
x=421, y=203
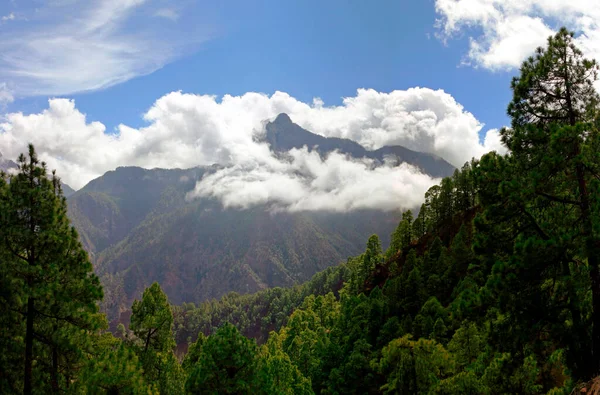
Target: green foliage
x=403, y=235
x=467, y=344
x=275, y=372
x=116, y=370
x=227, y=364
x=151, y=324
x=49, y=292
x=414, y=366
x=152, y=321
x=255, y=315
x=539, y=204
x=193, y=354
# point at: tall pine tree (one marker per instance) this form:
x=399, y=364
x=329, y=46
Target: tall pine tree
x=52, y=285
x=546, y=195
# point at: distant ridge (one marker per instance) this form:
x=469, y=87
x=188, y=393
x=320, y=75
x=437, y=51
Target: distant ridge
x=283, y=135
x=7, y=164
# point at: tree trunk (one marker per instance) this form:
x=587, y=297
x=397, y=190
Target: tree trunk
x=27, y=387
x=592, y=256
x=54, y=372
x=595, y=358
x=588, y=232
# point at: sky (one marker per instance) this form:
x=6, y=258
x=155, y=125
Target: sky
x=163, y=83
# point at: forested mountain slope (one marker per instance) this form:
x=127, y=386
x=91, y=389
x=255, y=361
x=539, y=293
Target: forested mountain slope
x=139, y=227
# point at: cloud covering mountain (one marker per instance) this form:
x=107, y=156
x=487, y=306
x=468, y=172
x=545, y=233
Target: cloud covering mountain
x=187, y=130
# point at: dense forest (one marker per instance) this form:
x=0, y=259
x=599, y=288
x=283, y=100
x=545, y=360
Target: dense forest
x=492, y=288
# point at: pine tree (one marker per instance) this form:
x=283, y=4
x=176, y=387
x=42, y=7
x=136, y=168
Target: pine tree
x=466, y=344
x=403, y=234
x=371, y=258
x=152, y=320
x=227, y=364
x=275, y=372
x=54, y=289
x=413, y=367
x=419, y=227
x=115, y=370
x=546, y=192
x=152, y=325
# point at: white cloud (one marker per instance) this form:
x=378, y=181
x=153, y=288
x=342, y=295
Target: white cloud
x=167, y=13
x=6, y=95
x=507, y=31
x=186, y=130
x=9, y=17
x=305, y=181
x=68, y=47
x=493, y=142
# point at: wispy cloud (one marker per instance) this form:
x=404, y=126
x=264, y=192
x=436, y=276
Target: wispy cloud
x=6, y=95
x=69, y=46
x=167, y=13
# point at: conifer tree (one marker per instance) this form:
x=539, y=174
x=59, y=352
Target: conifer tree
x=419, y=227
x=115, y=370
x=152, y=325
x=227, y=364
x=275, y=372
x=403, y=234
x=49, y=275
x=546, y=194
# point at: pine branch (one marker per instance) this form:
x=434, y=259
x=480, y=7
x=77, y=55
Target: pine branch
x=558, y=199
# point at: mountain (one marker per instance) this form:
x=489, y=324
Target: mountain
x=283, y=135
x=139, y=228
x=67, y=190
x=6, y=164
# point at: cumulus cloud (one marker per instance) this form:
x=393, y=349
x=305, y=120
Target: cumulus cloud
x=421, y=119
x=507, y=31
x=64, y=47
x=186, y=130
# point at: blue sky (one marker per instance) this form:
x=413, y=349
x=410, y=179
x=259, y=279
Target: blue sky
x=305, y=48
x=180, y=83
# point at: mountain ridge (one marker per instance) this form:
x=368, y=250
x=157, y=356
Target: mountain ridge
x=7, y=164
x=282, y=135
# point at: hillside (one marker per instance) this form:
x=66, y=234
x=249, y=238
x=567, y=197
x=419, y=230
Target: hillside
x=139, y=228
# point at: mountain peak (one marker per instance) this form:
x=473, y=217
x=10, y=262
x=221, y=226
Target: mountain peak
x=282, y=135
x=283, y=118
